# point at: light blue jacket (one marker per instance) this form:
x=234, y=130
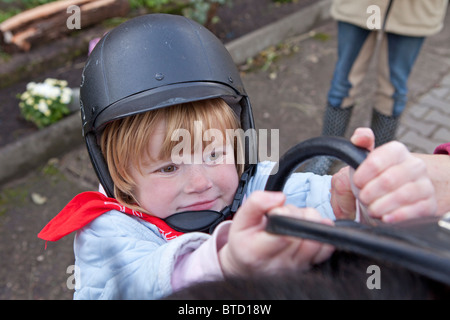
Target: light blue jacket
x=118, y=256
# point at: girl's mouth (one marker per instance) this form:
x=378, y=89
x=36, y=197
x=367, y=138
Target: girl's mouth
x=200, y=205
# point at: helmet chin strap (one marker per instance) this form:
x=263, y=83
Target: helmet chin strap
x=99, y=163
x=242, y=188
x=238, y=197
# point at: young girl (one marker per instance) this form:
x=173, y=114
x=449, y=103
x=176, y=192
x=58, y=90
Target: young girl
x=146, y=82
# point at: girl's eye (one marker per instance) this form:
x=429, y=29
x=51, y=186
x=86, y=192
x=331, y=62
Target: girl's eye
x=214, y=157
x=168, y=169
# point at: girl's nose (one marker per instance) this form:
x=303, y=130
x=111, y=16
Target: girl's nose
x=198, y=179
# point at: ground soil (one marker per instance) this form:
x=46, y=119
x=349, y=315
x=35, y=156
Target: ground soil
x=242, y=17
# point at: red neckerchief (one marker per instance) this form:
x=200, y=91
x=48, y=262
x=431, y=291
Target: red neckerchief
x=86, y=207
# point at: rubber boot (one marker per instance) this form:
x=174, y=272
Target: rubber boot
x=384, y=127
x=335, y=123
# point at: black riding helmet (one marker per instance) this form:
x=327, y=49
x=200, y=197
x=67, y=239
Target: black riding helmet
x=156, y=61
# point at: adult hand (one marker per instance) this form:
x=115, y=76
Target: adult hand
x=392, y=183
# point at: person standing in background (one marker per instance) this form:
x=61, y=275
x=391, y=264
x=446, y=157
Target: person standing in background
x=391, y=30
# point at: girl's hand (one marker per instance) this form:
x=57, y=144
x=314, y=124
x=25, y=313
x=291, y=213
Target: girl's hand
x=251, y=249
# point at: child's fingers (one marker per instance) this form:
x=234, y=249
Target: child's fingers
x=323, y=253
x=252, y=211
x=342, y=195
x=301, y=213
x=303, y=252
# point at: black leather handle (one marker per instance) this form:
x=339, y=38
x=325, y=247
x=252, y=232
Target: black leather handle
x=321, y=146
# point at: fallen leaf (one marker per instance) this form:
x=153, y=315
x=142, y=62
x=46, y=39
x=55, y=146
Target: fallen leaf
x=38, y=199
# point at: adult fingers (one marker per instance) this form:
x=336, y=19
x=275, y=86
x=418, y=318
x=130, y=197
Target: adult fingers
x=378, y=161
x=364, y=138
x=409, y=171
x=421, y=208
x=410, y=200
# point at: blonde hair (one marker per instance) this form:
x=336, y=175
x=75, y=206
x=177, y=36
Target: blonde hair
x=124, y=142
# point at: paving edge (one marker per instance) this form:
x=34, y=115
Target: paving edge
x=296, y=23
x=23, y=155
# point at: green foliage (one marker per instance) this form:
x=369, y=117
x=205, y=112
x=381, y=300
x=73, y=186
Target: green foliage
x=27, y=4
x=150, y=4
x=16, y=6
x=8, y=14
x=12, y=197
x=4, y=56
x=35, y=3
x=200, y=10
x=321, y=36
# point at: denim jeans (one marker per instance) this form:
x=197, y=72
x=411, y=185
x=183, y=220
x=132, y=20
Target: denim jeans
x=401, y=54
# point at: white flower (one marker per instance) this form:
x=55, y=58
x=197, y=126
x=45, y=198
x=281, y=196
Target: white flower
x=30, y=86
x=38, y=89
x=46, y=91
x=25, y=95
x=50, y=81
x=43, y=107
x=66, y=95
x=53, y=93
x=67, y=91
